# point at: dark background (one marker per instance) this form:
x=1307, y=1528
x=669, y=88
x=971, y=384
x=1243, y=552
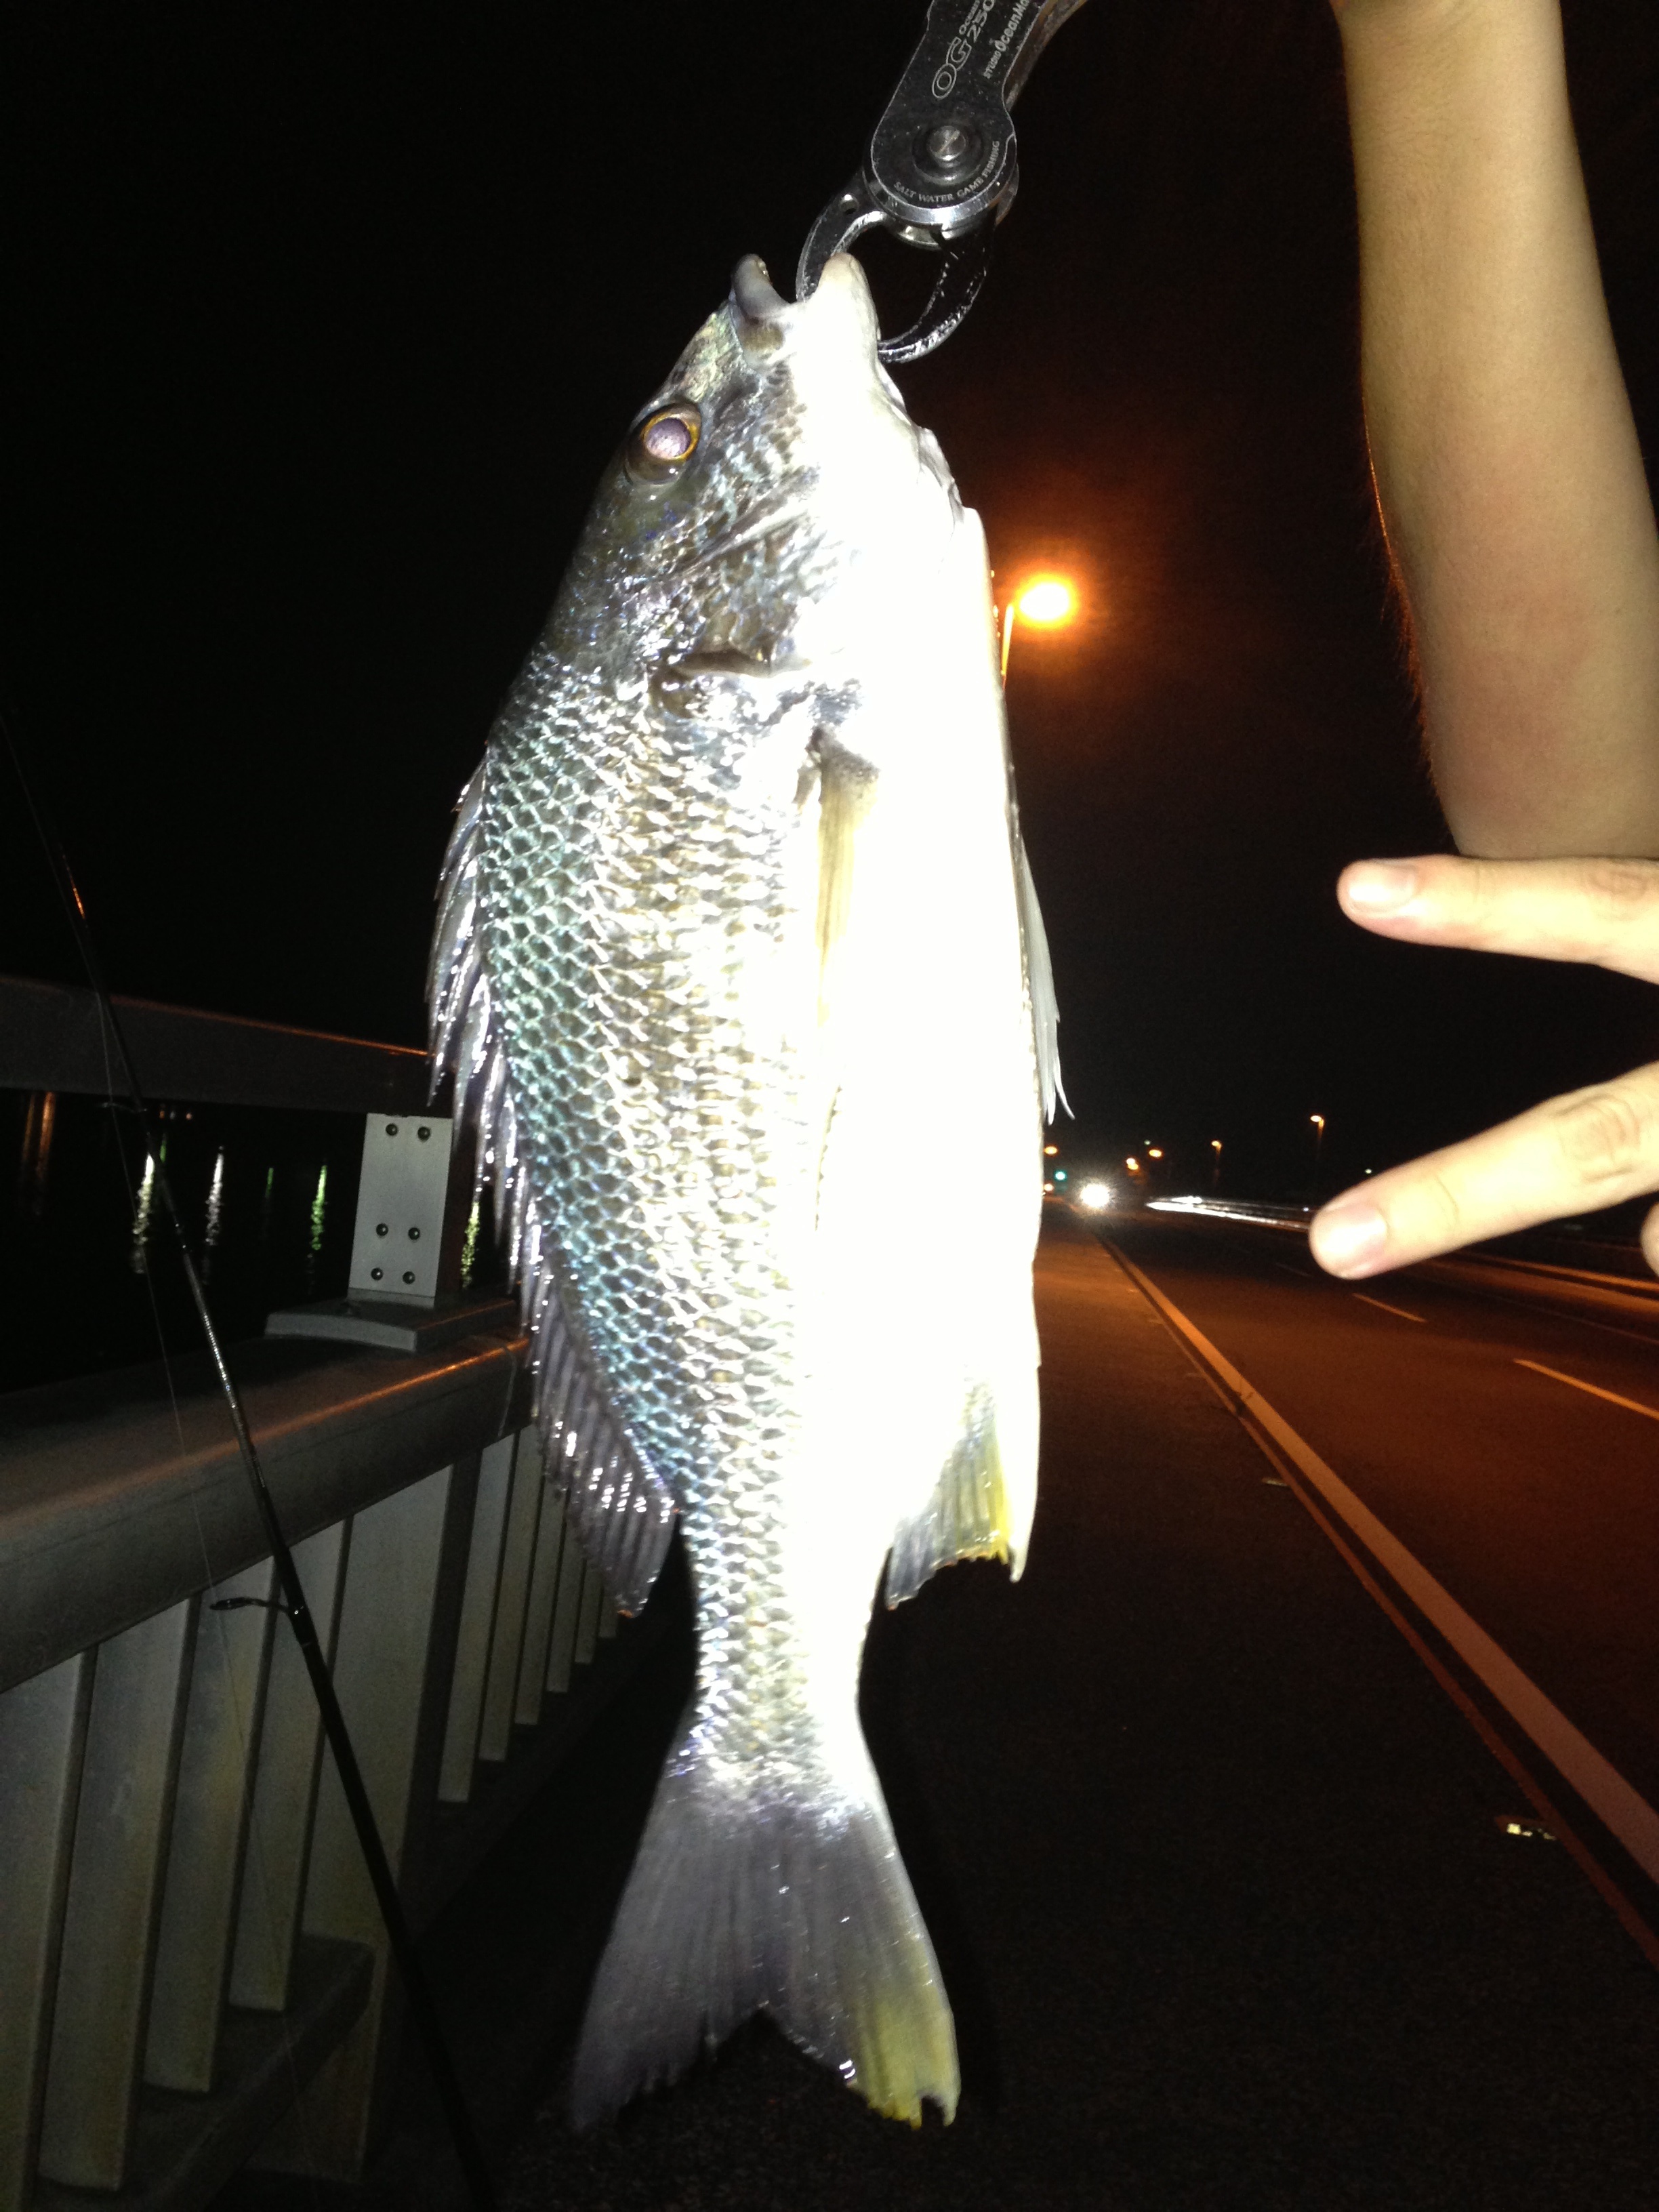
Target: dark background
x=321, y=325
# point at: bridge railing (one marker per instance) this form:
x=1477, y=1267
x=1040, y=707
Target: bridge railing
x=193, y=1970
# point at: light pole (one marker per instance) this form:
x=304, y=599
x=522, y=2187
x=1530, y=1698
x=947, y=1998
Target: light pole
x=1046, y=603
x=1318, y=1120
x=1215, y=1170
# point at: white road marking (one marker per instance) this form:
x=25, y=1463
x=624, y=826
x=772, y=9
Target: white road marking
x=1594, y=1388
x=1383, y=1308
x=1597, y=1781
x=1301, y=1274
x=1446, y=1272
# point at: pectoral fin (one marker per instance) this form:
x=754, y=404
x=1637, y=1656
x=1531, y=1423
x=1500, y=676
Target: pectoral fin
x=846, y=788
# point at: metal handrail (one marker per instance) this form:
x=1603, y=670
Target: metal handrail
x=119, y=1492
x=51, y=1039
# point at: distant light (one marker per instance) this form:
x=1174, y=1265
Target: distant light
x=1260, y=1217
x=1048, y=601
x=1519, y=1824
x=1134, y=1166
x=1215, y=1144
x=1059, y=1175
x=1318, y=1120
x=1154, y=1154
x=1048, y=1185
x=1048, y=1151
x=1097, y=1196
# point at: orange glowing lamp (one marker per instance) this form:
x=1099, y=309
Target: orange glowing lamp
x=1046, y=603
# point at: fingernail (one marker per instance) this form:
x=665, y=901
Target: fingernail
x=1380, y=886
x=1348, y=1240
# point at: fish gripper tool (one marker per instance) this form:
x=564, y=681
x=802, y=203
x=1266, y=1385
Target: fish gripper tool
x=941, y=167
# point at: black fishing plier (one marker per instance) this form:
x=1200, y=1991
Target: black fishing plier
x=940, y=170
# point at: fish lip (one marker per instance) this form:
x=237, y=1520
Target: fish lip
x=757, y=299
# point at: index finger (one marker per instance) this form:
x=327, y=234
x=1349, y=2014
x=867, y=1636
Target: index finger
x=1590, y=1148
x=1603, y=912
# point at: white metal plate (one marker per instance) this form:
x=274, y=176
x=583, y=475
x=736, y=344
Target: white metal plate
x=400, y=1207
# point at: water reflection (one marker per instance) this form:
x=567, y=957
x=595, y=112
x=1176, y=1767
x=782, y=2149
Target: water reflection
x=216, y=1213
x=143, y=1213
x=257, y=1211
x=39, y=1117
x=319, y=1207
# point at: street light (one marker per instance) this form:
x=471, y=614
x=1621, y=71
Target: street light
x=1046, y=603
x=1318, y=1120
x=1215, y=1171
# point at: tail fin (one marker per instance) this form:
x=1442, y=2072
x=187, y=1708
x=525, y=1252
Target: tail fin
x=744, y=1900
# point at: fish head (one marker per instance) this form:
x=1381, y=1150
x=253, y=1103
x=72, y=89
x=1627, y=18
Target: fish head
x=773, y=519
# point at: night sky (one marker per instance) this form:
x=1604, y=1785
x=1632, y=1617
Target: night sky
x=321, y=325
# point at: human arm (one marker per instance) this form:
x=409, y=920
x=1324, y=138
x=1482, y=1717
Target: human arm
x=1508, y=476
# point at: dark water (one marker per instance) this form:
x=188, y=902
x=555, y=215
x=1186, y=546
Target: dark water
x=91, y=1272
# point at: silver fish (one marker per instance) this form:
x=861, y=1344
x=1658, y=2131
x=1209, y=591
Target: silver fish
x=736, y=890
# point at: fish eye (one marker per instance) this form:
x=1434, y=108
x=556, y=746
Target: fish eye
x=662, y=445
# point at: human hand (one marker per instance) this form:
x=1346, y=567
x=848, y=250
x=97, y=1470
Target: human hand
x=1592, y=1147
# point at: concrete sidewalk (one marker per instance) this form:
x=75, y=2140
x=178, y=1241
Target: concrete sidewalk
x=1213, y=1869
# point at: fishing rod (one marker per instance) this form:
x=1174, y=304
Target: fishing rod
x=422, y=2009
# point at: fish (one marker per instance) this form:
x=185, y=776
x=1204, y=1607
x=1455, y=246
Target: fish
x=742, y=987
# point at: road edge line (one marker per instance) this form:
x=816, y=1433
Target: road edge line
x=1591, y=1390
x=1625, y=1812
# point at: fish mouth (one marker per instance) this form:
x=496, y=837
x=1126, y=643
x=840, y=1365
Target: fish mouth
x=757, y=299
x=841, y=297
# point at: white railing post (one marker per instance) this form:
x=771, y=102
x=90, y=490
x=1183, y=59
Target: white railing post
x=209, y=1831
x=134, y=1733
x=43, y=1725
x=285, y=1792
x=394, y=1653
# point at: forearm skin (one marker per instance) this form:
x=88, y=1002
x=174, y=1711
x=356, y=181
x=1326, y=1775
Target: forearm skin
x=1508, y=473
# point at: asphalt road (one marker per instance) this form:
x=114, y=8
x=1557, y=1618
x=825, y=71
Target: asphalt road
x=1532, y=1499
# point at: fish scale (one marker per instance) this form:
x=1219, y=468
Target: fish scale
x=574, y=1126
x=756, y=764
